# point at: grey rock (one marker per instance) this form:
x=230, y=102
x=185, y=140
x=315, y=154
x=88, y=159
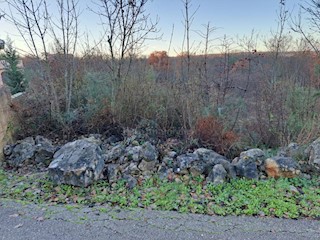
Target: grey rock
x=313, y=153
x=77, y=163
x=147, y=167
x=7, y=150
x=198, y=167
x=217, y=175
x=184, y=162
x=149, y=152
x=210, y=158
x=168, y=161
x=111, y=172
x=208, y=155
x=294, y=190
x=132, y=169
x=44, y=150
x=115, y=153
x=133, y=153
x=22, y=153
x=254, y=155
x=246, y=168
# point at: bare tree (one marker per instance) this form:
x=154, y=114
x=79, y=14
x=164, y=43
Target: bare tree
x=127, y=26
x=31, y=19
x=310, y=10
x=39, y=29
x=188, y=20
x=66, y=34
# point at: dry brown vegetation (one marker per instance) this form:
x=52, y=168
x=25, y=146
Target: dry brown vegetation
x=224, y=100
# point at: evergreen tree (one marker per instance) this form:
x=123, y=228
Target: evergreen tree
x=13, y=75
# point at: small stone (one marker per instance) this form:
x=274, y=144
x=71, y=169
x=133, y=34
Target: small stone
x=294, y=190
x=135, y=143
x=7, y=150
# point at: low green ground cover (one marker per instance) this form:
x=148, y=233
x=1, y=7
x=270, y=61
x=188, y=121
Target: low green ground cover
x=285, y=198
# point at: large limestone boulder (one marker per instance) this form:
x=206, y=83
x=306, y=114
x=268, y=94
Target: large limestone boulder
x=77, y=163
x=282, y=167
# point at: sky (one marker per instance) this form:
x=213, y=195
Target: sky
x=231, y=18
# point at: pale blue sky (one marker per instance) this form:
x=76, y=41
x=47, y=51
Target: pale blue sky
x=230, y=17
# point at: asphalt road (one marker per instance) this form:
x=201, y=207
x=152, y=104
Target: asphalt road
x=29, y=221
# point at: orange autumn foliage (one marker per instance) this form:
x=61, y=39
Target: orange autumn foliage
x=159, y=60
x=211, y=133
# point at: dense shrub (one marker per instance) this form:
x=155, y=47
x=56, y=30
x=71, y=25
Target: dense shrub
x=211, y=133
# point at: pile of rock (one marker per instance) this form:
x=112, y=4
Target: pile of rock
x=86, y=160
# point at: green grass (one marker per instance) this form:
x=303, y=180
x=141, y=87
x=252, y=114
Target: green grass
x=239, y=197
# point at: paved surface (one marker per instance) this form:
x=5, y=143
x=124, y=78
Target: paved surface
x=28, y=221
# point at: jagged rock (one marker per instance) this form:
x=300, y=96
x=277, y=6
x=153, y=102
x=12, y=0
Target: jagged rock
x=22, y=153
x=217, y=175
x=281, y=167
x=149, y=152
x=44, y=150
x=7, y=150
x=184, y=162
x=313, y=153
x=115, y=153
x=198, y=167
x=147, y=166
x=77, y=163
x=209, y=155
x=133, y=153
x=132, y=169
x=255, y=155
x=111, y=172
x=246, y=168
x=211, y=158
